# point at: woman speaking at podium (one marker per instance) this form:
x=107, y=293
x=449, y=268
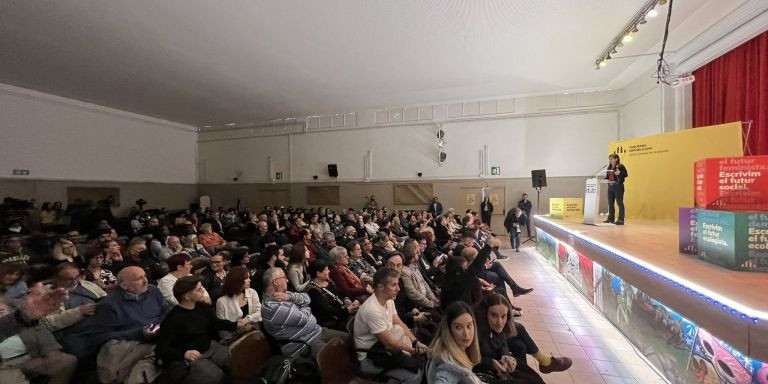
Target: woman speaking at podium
x=616, y=174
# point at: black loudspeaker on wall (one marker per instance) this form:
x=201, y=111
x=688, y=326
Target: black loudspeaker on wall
x=539, y=178
x=333, y=171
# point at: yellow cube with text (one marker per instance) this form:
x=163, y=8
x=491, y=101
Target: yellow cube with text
x=564, y=207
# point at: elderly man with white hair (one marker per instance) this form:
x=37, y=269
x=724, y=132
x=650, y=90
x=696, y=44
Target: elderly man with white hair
x=287, y=315
x=125, y=320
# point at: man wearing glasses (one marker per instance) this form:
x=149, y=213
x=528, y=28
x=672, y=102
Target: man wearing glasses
x=287, y=315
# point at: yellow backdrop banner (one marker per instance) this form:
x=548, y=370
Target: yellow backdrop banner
x=660, y=167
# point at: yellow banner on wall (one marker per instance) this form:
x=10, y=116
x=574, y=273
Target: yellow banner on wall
x=660, y=167
x=562, y=207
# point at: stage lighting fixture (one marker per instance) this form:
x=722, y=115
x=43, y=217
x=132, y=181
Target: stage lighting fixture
x=627, y=34
x=441, y=157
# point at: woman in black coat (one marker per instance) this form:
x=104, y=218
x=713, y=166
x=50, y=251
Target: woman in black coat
x=329, y=306
x=504, y=345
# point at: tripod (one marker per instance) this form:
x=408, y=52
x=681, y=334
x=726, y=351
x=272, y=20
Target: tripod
x=538, y=199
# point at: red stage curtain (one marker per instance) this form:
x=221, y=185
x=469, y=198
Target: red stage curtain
x=734, y=87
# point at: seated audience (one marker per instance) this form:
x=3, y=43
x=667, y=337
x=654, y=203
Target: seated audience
x=287, y=315
x=113, y=257
x=12, y=283
x=95, y=271
x=298, y=259
x=211, y=240
x=377, y=326
x=376, y=261
x=159, y=241
x=358, y=264
x=213, y=275
x=422, y=322
x=455, y=349
x=184, y=340
x=273, y=256
x=416, y=287
x=461, y=282
x=330, y=307
x=262, y=238
x=501, y=338
x=195, y=249
x=81, y=299
x=125, y=317
x=179, y=265
x=64, y=251
x=348, y=283
x=238, y=301
x=12, y=251
x=137, y=256
x=173, y=247
x=28, y=350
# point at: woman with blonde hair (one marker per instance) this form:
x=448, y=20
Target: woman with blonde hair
x=65, y=250
x=455, y=350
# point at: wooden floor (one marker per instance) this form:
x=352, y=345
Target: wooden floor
x=656, y=242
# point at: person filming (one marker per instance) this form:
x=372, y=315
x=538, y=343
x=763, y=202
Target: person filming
x=616, y=174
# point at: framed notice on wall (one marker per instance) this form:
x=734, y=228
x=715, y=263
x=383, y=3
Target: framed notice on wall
x=323, y=195
x=413, y=194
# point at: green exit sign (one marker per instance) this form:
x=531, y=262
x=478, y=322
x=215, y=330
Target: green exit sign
x=495, y=171
x=21, y=172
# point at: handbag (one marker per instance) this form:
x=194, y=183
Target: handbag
x=286, y=370
x=392, y=358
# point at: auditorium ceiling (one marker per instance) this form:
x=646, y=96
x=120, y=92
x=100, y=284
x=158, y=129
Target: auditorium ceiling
x=209, y=62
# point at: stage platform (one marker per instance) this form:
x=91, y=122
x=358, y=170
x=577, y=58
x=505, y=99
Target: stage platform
x=732, y=306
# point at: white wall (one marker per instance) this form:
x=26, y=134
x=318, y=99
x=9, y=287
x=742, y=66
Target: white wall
x=571, y=144
x=63, y=139
x=641, y=111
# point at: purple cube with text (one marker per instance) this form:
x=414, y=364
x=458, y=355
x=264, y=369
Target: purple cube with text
x=687, y=225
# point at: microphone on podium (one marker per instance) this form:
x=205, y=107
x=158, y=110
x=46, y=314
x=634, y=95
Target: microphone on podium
x=603, y=168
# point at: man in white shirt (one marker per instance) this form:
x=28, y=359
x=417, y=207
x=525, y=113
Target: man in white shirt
x=377, y=321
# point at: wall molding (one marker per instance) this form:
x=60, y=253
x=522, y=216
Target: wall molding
x=28, y=94
x=739, y=26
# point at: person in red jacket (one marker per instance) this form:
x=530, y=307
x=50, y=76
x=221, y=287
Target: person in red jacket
x=348, y=283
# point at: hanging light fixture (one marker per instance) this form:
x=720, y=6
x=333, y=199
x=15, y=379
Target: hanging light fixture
x=627, y=34
x=602, y=64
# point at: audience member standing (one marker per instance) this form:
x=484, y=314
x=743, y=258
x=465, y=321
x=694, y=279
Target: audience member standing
x=526, y=205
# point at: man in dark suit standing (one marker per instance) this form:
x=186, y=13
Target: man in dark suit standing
x=436, y=209
x=525, y=205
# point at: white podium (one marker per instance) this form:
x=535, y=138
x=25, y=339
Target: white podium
x=592, y=193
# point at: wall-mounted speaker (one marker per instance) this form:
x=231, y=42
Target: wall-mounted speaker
x=333, y=171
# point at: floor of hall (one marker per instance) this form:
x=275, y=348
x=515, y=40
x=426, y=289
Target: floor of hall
x=562, y=322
